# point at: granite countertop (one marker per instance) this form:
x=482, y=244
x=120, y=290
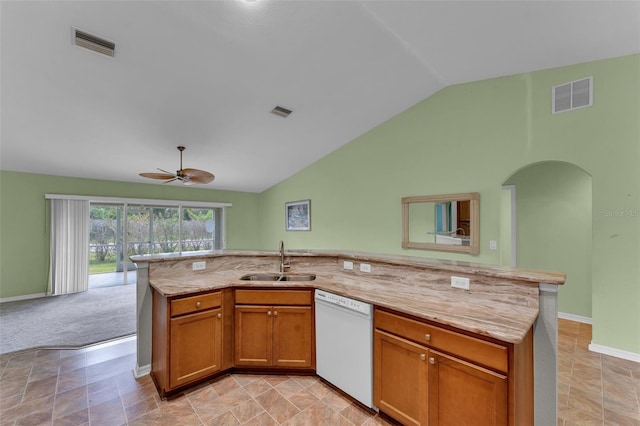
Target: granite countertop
x=502, y=303
x=496, y=271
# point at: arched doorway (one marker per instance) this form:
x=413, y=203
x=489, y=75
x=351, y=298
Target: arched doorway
x=553, y=215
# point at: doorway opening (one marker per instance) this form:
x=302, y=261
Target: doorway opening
x=548, y=217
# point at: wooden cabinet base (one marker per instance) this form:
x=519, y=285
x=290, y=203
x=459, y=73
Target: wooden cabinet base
x=425, y=374
x=274, y=328
x=187, y=337
x=193, y=336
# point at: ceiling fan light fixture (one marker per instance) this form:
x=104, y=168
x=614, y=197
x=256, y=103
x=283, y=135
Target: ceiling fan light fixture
x=186, y=176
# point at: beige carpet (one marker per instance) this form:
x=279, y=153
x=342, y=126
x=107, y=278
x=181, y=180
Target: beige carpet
x=68, y=321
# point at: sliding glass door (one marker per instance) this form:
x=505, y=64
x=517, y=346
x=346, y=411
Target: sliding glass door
x=118, y=231
x=108, y=264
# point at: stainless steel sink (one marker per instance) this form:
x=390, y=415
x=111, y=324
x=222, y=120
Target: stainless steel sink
x=278, y=277
x=298, y=277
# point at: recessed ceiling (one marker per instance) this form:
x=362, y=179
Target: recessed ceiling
x=206, y=74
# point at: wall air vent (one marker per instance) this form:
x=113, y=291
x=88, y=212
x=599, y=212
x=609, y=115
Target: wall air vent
x=572, y=95
x=280, y=111
x=91, y=42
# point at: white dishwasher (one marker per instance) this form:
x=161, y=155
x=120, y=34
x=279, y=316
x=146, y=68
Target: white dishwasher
x=344, y=344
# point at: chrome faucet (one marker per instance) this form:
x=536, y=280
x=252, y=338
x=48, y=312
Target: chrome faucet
x=283, y=265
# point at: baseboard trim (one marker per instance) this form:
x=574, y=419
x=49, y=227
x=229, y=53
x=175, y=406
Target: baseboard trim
x=577, y=318
x=141, y=371
x=25, y=297
x=618, y=353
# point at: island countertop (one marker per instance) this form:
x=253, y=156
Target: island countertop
x=501, y=303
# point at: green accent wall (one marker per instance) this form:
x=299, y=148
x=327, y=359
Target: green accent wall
x=472, y=138
x=24, y=227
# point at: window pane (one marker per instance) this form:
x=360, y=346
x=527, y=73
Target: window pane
x=102, y=239
x=138, y=230
x=198, y=229
x=165, y=230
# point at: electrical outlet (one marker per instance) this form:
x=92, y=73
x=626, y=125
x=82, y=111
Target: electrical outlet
x=365, y=267
x=459, y=282
x=493, y=245
x=348, y=265
x=199, y=266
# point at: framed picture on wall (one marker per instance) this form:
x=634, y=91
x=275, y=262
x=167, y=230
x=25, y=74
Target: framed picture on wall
x=298, y=215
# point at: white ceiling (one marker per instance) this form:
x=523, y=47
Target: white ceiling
x=205, y=74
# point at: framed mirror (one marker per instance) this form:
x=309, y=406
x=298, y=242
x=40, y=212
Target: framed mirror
x=442, y=222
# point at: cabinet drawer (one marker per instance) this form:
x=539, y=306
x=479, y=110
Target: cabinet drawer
x=482, y=352
x=186, y=305
x=273, y=297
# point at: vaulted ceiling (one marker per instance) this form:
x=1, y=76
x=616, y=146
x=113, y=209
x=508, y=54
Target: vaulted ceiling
x=206, y=74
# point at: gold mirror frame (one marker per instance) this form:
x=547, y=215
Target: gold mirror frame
x=474, y=222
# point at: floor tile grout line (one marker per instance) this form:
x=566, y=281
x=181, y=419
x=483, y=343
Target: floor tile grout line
x=193, y=408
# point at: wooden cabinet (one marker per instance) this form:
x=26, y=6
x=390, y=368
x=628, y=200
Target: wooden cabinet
x=462, y=393
x=425, y=374
x=274, y=328
x=187, y=335
x=400, y=382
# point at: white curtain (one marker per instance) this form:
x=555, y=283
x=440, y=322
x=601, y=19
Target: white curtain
x=69, y=252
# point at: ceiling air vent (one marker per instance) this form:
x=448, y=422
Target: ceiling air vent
x=572, y=95
x=91, y=42
x=280, y=111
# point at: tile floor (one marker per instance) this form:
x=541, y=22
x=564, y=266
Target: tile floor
x=594, y=389
x=95, y=386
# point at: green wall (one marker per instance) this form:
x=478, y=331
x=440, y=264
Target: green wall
x=24, y=229
x=553, y=219
x=472, y=138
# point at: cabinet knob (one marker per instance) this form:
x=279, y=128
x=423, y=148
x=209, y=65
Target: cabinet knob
x=427, y=337
x=219, y=315
x=275, y=313
x=432, y=360
x=423, y=357
x=198, y=304
x=268, y=313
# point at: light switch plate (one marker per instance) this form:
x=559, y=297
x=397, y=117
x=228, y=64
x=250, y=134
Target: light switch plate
x=459, y=282
x=199, y=266
x=348, y=265
x=493, y=245
x=365, y=267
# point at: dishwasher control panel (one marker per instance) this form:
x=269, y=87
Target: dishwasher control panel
x=344, y=302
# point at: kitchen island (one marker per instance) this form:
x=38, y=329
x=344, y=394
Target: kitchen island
x=502, y=304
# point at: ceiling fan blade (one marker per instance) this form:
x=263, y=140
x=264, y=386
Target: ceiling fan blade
x=197, y=176
x=162, y=176
x=186, y=176
x=164, y=171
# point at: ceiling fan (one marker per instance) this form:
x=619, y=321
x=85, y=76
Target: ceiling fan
x=186, y=176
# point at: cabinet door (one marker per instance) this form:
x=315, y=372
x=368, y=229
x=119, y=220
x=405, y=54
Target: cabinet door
x=196, y=346
x=400, y=378
x=292, y=336
x=253, y=342
x=461, y=393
